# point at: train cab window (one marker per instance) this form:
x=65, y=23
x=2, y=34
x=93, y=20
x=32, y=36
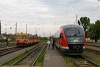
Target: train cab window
x=24, y=37
x=18, y=37
x=74, y=32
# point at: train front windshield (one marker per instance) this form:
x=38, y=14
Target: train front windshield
x=21, y=37
x=74, y=34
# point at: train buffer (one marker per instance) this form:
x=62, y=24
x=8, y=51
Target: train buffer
x=53, y=59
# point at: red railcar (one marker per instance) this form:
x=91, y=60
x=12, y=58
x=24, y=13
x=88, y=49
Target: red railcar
x=70, y=39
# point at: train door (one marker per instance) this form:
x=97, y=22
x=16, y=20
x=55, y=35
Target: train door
x=61, y=38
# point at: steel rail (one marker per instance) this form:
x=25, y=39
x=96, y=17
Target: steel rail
x=87, y=62
x=13, y=58
x=25, y=55
x=8, y=50
x=37, y=57
x=91, y=61
x=97, y=52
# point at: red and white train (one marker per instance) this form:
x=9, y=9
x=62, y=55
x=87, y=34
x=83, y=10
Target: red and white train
x=70, y=39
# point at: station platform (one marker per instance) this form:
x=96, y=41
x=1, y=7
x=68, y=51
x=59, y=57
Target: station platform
x=53, y=59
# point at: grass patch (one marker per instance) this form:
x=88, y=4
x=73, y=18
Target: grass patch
x=69, y=61
x=97, y=61
x=40, y=59
x=17, y=58
x=42, y=41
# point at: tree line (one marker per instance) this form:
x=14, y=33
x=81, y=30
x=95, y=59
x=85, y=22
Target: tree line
x=92, y=30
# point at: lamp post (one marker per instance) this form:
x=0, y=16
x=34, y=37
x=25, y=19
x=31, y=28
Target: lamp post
x=39, y=32
x=6, y=32
x=15, y=28
x=26, y=28
x=36, y=30
x=0, y=27
x=76, y=20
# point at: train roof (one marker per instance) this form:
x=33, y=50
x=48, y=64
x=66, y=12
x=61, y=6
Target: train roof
x=21, y=33
x=68, y=26
x=25, y=34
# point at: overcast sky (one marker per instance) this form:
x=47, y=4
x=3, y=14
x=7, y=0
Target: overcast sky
x=45, y=15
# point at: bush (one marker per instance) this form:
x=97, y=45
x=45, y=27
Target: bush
x=2, y=40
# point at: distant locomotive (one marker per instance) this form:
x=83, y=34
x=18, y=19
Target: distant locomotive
x=24, y=39
x=70, y=39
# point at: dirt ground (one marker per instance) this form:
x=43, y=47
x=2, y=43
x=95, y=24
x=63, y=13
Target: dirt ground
x=93, y=48
x=92, y=55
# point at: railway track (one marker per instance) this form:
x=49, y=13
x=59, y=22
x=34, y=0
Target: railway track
x=81, y=61
x=78, y=61
x=95, y=46
x=8, y=50
x=38, y=56
x=98, y=46
x=30, y=58
x=92, y=50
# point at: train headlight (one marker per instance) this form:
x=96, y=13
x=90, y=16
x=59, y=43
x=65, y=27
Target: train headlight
x=25, y=41
x=17, y=41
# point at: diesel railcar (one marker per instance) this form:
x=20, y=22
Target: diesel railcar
x=24, y=39
x=70, y=39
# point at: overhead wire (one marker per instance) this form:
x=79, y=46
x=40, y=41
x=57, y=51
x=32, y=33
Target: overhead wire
x=94, y=12
x=69, y=11
x=7, y=13
x=66, y=9
x=71, y=8
x=33, y=2
x=38, y=15
x=3, y=11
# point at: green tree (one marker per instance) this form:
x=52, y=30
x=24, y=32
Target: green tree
x=95, y=30
x=12, y=38
x=85, y=22
x=92, y=30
